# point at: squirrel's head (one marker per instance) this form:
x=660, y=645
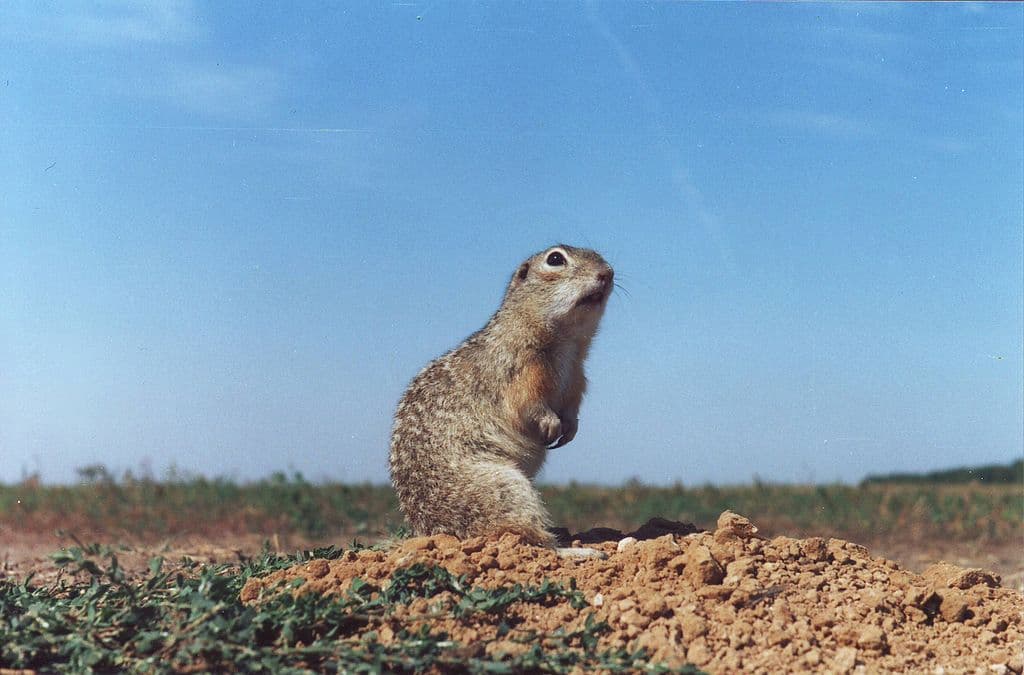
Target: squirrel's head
x=565, y=287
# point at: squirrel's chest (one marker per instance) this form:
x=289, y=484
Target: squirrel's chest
x=563, y=364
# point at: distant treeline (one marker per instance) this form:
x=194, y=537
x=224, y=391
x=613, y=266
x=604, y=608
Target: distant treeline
x=990, y=473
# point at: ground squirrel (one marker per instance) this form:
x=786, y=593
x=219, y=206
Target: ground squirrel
x=474, y=427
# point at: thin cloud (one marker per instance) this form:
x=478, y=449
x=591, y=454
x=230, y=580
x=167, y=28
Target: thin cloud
x=855, y=43
x=873, y=69
x=867, y=8
x=112, y=24
x=862, y=36
x=223, y=90
x=120, y=22
x=948, y=145
x=687, y=190
x=822, y=122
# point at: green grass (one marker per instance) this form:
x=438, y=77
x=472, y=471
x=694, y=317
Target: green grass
x=867, y=512
x=192, y=620
x=199, y=506
x=188, y=618
x=290, y=504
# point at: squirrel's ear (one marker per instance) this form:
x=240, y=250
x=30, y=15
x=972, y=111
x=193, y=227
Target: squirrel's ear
x=521, y=273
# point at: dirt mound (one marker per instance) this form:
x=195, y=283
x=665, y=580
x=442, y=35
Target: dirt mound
x=726, y=601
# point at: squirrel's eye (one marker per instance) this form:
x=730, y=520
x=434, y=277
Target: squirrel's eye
x=555, y=259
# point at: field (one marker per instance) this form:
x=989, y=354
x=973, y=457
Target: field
x=127, y=573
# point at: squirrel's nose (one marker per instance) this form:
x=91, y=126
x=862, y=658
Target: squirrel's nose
x=606, y=276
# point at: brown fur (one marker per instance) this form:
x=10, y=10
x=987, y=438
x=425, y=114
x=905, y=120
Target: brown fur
x=474, y=427
x=532, y=384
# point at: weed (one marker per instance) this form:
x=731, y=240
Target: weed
x=174, y=622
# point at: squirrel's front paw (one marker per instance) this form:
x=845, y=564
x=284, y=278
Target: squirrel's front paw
x=569, y=427
x=550, y=428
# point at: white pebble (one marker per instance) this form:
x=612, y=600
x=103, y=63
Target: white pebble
x=623, y=543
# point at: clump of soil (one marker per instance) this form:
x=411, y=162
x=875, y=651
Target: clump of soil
x=726, y=600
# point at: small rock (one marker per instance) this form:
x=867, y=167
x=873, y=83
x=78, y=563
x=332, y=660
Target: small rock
x=716, y=592
x=473, y=545
x=872, y=638
x=580, y=553
x=997, y=625
x=418, y=544
x=730, y=523
x=677, y=564
x=954, y=605
x=837, y=548
x=777, y=636
x=655, y=553
x=999, y=668
x=698, y=652
x=741, y=567
x=318, y=569
x=654, y=606
x=944, y=575
x=598, y=600
x=725, y=550
x=845, y=659
x=445, y=541
x=823, y=619
x=463, y=566
x=701, y=568
x=635, y=618
x=251, y=591
x=815, y=549
x=625, y=543
x=732, y=662
x=873, y=598
x=915, y=614
x=781, y=612
x=693, y=627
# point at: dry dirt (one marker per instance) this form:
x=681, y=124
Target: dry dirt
x=728, y=601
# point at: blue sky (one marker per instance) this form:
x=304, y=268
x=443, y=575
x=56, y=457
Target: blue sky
x=230, y=235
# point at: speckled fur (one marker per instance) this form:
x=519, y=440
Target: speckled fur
x=475, y=425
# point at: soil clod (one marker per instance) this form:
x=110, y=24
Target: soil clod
x=726, y=600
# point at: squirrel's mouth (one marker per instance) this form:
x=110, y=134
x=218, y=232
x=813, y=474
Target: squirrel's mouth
x=595, y=298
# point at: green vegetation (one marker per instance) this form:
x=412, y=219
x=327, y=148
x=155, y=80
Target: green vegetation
x=864, y=514
x=183, y=617
x=192, y=620
x=989, y=473
x=151, y=510
x=199, y=506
